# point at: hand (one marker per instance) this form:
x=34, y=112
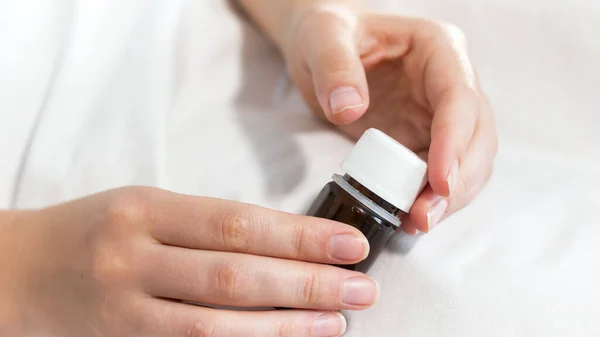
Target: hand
x=410, y=78
x=127, y=262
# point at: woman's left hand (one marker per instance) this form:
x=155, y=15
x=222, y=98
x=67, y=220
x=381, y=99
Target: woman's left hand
x=410, y=78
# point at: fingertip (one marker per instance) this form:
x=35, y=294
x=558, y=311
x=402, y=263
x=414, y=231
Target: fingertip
x=442, y=172
x=409, y=228
x=366, y=246
x=338, y=74
x=419, y=221
x=329, y=324
x=343, y=243
x=427, y=210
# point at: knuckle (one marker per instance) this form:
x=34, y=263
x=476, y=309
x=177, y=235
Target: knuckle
x=283, y=329
x=299, y=240
x=114, y=254
x=453, y=32
x=310, y=289
x=336, y=60
x=199, y=330
x=229, y=280
x=442, y=32
x=449, y=31
x=129, y=207
x=236, y=228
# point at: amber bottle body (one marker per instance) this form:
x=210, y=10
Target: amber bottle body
x=346, y=200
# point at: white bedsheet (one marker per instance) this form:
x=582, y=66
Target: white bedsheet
x=183, y=95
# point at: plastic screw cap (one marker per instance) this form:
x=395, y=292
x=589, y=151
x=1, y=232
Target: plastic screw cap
x=387, y=168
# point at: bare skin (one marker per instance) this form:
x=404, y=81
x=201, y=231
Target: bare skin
x=121, y=262
x=128, y=262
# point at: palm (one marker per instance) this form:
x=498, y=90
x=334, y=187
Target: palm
x=393, y=109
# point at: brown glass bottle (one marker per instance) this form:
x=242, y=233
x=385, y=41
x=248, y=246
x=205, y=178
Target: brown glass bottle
x=381, y=180
x=346, y=200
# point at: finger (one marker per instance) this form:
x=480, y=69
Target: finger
x=241, y=280
x=440, y=69
x=426, y=212
x=220, y=225
x=452, y=128
x=430, y=208
x=409, y=227
x=477, y=164
x=167, y=318
x=335, y=65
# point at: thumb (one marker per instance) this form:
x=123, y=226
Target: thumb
x=337, y=71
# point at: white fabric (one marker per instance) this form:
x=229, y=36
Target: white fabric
x=184, y=95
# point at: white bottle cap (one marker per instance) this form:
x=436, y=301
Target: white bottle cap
x=387, y=168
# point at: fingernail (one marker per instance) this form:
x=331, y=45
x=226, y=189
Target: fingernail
x=348, y=247
x=330, y=325
x=452, y=176
x=435, y=213
x=360, y=291
x=345, y=98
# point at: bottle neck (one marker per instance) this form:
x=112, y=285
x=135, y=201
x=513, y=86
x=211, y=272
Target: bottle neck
x=379, y=201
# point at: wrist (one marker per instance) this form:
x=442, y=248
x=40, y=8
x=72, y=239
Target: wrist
x=15, y=264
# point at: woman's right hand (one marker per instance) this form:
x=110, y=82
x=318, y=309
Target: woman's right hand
x=126, y=263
